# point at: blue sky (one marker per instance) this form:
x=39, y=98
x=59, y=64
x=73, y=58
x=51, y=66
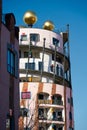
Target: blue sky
x=74, y=13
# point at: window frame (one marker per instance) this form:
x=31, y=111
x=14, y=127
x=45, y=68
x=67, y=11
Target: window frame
x=12, y=60
x=23, y=37
x=55, y=41
x=34, y=37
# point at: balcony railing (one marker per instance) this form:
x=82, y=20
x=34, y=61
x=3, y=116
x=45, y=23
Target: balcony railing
x=44, y=117
x=44, y=101
x=54, y=102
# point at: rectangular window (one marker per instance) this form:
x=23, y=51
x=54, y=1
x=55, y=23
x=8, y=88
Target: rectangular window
x=68, y=100
x=23, y=37
x=11, y=62
x=34, y=37
x=40, y=65
x=70, y=115
x=41, y=111
x=55, y=42
x=30, y=66
x=25, y=54
x=57, y=70
x=52, y=68
x=71, y=101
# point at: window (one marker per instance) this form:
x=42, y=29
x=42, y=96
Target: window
x=71, y=101
x=41, y=113
x=52, y=68
x=68, y=100
x=34, y=37
x=40, y=96
x=57, y=59
x=23, y=37
x=40, y=65
x=12, y=60
x=30, y=66
x=55, y=42
x=57, y=69
x=70, y=115
x=61, y=71
x=60, y=114
x=25, y=54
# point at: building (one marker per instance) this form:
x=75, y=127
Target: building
x=46, y=101
x=9, y=77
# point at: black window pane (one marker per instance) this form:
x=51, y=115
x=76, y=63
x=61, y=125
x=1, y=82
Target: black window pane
x=34, y=37
x=57, y=69
x=25, y=54
x=55, y=41
x=40, y=96
x=40, y=65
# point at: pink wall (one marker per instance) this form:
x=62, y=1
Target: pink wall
x=69, y=108
x=5, y=81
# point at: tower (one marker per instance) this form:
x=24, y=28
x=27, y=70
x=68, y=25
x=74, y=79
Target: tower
x=46, y=101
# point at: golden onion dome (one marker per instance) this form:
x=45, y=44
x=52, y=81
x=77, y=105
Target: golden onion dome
x=30, y=18
x=48, y=25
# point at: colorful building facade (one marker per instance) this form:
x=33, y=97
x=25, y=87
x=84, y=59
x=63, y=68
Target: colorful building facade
x=46, y=100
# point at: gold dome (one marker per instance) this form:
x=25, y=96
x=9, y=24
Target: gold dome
x=30, y=18
x=48, y=25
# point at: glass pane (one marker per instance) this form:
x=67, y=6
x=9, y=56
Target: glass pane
x=30, y=66
x=9, y=58
x=12, y=63
x=55, y=41
x=40, y=65
x=25, y=54
x=34, y=37
x=23, y=37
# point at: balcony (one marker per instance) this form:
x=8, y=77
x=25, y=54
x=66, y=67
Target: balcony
x=50, y=103
x=56, y=120
x=44, y=117
x=57, y=102
x=44, y=101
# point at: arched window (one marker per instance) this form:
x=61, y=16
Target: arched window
x=57, y=99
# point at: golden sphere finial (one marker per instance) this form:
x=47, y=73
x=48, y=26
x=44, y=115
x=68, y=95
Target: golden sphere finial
x=30, y=18
x=48, y=25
